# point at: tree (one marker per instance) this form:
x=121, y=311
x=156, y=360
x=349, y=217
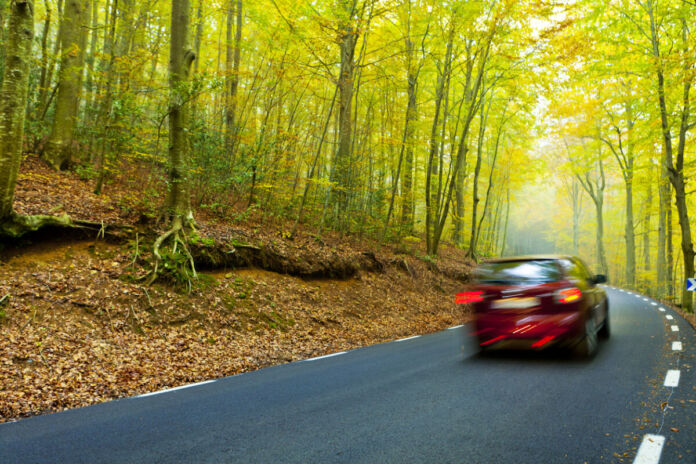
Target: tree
x=178, y=204
x=73, y=37
x=13, y=96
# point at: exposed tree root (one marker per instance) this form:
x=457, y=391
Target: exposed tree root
x=178, y=262
x=16, y=226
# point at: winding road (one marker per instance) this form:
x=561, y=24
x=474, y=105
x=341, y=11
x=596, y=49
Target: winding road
x=414, y=400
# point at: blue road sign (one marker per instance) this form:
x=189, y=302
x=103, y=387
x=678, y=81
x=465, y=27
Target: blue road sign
x=691, y=285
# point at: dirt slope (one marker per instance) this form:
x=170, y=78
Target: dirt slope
x=76, y=328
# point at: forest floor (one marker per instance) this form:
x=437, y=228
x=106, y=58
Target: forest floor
x=77, y=328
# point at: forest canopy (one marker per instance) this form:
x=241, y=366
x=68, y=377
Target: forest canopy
x=500, y=126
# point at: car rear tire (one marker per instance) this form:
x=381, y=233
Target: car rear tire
x=605, y=331
x=587, y=346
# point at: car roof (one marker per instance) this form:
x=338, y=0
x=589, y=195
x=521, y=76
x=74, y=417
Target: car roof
x=528, y=258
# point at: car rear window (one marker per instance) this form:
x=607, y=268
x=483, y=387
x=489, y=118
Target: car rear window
x=519, y=272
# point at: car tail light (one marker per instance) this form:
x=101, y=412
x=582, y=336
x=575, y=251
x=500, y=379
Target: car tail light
x=568, y=295
x=468, y=297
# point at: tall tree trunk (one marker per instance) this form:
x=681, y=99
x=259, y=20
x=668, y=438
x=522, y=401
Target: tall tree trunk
x=460, y=185
x=44, y=59
x=669, y=273
x=13, y=96
x=104, y=114
x=407, y=185
x=664, y=205
x=601, y=255
x=595, y=189
x=44, y=91
x=72, y=38
x=675, y=168
x=460, y=159
x=341, y=168
x=232, y=59
x=647, y=216
x=507, y=219
x=628, y=179
x=577, y=212
x=475, y=200
x=90, y=59
x=180, y=61
x=476, y=233
x=432, y=198
x=407, y=202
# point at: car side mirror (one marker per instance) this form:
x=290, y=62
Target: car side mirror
x=599, y=279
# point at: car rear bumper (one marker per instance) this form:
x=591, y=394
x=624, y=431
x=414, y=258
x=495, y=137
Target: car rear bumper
x=528, y=330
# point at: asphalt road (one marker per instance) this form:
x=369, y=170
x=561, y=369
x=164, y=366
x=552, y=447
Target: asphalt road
x=416, y=400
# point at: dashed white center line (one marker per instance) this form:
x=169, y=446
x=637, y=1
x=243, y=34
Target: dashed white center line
x=650, y=449
x=174, y=389
x=676, y=346
x=662, y=310
x=669, y=318
x=672, y=378
x=645, y=299
x=407, y=338
x=326, y=356
x=675, y=328
x=653, y=303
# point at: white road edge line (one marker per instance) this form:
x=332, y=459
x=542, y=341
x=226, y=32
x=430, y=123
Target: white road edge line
x=407, y=338
x=167, y=390
x=650, y=449
x=675, y=328
x=676, y=346
x=456, y=327
x=669, y=318
x=326, y=356
x=672, y=378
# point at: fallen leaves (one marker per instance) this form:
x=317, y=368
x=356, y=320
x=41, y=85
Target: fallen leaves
x=76, y=334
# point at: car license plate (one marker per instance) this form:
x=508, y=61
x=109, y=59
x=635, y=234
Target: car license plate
x=516, y=303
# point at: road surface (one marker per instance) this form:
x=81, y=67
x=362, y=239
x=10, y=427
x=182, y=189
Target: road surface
x=416, y=400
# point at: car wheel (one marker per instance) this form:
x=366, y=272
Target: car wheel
x=605, y=331
x=587, y=346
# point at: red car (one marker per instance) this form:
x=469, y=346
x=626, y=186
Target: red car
x=537, y=302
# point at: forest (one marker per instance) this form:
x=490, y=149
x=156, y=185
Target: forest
x=497, y=126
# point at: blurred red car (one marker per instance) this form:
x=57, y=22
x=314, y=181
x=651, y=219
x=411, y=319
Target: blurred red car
x=537, y=302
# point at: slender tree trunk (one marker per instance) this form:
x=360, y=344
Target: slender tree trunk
x=180, y=61
x=407, y=202
x=577, y=212
x=601, y=255
x=628, y=179
x=460, y=186
x=13, y=96
x=462, y=149
x=675, y=170
x=507, y=219
x=45, y=91
x=43, y=85
x=341, y=168
x=669, y=274
x=232, y=61
x=90, y=59
x=646, y=229
x=72, y=32
x=432, y=206
x=664, y=206
x=477, y=232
